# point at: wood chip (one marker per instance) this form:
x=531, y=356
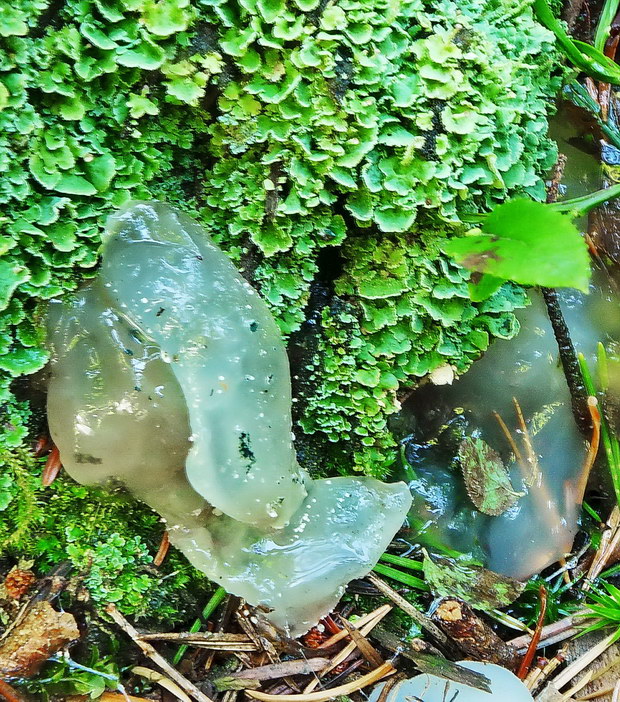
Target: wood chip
x=324, y=695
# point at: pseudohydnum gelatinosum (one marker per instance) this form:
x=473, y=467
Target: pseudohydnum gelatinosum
x=169, y=377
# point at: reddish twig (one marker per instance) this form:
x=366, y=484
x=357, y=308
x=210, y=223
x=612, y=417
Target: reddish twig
x=163, y=549
x=8, y=693
x=42, y=446
x=52, y=467
x=531, y=649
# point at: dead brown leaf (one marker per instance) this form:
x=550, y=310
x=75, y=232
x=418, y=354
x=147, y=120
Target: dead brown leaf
x=42, y=632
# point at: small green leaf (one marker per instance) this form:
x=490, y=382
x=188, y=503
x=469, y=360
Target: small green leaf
x=75, y=185
x=11, y=275
x=12, y=21
x=146, y=55
x=166, y=17
x=139, y=105
x=486, y=479
x=527, y=242
x=23, y=361
x=185, y=89
x=101, y=170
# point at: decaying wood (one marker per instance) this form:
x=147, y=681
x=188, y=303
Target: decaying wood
x=601, y=675
x=575, y=668
x=42, y=632
x=244, y=616
x=156, y=657
x=430, y=660
x=472, y=636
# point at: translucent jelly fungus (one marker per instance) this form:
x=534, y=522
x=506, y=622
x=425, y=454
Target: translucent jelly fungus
x=505, y=687
x=169, y=377
x=540, y=526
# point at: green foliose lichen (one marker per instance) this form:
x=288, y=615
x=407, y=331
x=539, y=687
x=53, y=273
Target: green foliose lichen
x=296, y=131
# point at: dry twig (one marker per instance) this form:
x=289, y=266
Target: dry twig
x=432, y=629
x=156, y=657
x=324, y=695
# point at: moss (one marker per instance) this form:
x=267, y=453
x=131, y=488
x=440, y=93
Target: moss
x=108, y=539
x=292, y=129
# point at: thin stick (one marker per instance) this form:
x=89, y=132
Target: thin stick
x=531, y=650
x=534, y=469
x=345, y=652
x=511, y=441
x=364, y=619
x=583, y=661
x=595, y=415
x=409, y=609
x=609, y=542
x=156, y=657
x=324, y=695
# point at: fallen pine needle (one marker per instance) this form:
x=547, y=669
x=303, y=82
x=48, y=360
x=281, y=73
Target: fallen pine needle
x=526, y=663
x=162, y=550
x=156, y=657
x=595, y=416
x=161, y=680
x=381, y=672
x=582, y=662
x=108, y=697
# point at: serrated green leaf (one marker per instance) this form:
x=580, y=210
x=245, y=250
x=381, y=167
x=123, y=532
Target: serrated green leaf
x=527, y=242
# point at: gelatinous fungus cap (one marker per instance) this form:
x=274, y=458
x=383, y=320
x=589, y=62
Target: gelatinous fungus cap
x=169, y=376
